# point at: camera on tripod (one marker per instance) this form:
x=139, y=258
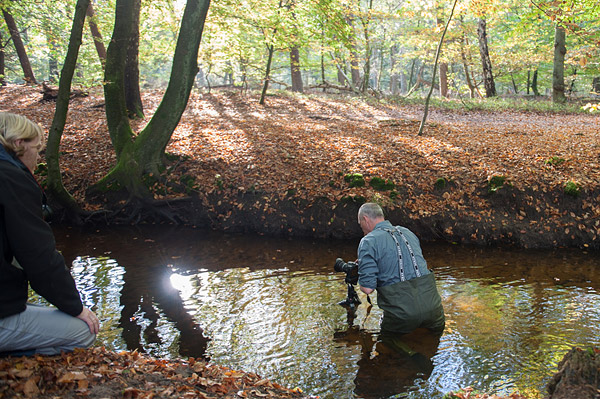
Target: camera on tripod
x=351, y=270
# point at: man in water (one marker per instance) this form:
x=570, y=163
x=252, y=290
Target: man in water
x=390, y=260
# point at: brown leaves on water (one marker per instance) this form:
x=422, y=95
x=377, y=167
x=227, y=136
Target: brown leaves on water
x=99, y=373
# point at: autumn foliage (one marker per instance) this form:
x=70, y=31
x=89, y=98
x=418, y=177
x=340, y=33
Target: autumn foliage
x=99, y=373
x=283, y=165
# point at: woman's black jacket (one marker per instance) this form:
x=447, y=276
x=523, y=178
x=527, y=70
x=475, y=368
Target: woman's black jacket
x=28, y=239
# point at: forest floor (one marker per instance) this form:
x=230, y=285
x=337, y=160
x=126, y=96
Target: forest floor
x=503, y=178
x=489, y=178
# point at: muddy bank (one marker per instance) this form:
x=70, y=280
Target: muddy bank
x=508, y=218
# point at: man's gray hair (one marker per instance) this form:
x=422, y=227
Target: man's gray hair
x=370, y=210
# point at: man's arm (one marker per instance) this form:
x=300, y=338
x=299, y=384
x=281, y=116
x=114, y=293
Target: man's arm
x=366, y=290
x=367, y=266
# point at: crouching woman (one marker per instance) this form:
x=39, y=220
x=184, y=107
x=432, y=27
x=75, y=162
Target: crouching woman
x=28, y=256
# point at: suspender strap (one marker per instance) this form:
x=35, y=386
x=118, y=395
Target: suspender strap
x=410, y=250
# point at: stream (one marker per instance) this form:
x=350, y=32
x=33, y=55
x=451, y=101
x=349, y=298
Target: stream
x=269, y=306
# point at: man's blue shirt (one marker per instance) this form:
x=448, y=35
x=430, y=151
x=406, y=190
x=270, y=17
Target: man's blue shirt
x=378, y=257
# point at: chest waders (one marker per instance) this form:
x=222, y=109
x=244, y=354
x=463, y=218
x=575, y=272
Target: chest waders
x=410, y=304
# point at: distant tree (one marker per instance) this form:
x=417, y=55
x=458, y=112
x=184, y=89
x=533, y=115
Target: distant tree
x=435, y=65
x=270, y=33
x=558, y=69
x=466, y=62
x=534, y=83
x=96, y=35
x=295, y=71
x=19, y=46
x=2, y=62
x=443, y=71
x=267, y=78
x=297, y=84
x=486, y=63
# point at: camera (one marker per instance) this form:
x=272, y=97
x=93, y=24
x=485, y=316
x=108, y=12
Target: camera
x=351, y=270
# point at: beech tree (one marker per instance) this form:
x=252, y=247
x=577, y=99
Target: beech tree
x=15, y=34
x=2, y=60
x=143, y=154
x=486, y=63
x=558, y=70
x=133, y=96
x=54, y=182
x=96, y=34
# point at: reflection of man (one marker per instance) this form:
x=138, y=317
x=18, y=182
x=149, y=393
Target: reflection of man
x=390, y=366
x=390, y=261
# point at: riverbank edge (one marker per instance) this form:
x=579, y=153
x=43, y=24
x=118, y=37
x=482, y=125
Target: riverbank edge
x=508, y=217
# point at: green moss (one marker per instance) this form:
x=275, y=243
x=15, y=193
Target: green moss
x=380, y=184
x=497, y=182
x=219, y=181
x=187, y=180
x=353, y=199
x=572, y=189
x=355, y=180
x=175, y=157
x=440, y=183
x=41, y=169
x=554, y=161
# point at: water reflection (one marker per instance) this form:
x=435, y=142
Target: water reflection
x=270, y=306
x=389, y=364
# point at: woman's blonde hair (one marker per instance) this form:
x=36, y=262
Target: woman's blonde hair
x=15, y=127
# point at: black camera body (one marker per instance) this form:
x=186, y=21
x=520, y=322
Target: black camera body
x=351, y=270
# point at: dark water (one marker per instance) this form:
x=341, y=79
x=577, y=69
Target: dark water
x=270, y=306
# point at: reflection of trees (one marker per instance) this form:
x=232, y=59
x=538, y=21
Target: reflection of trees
x=144, y=287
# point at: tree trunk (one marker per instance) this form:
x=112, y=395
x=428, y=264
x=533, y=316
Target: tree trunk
x=144, y=154
x=412, y=72
x=354, y=57
x=444, y=79
x=263, y=94
x=486, y=63
x=114, y=78
x=515, y=88
x=297, y=85
x=394, y=76
x=19, y=47
x=133, y=97
x=2, y=63
x=437, y=57
x=558, y=70
x=341, y=76
x=463, y=56
x=367, y=68
x=53, y=47
x=96, y=35
x=55, y=185
x=578, y=375
x=443, y=71
x=534, y=87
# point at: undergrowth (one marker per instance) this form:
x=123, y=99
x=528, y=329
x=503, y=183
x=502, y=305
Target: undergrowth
x=496, y=104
